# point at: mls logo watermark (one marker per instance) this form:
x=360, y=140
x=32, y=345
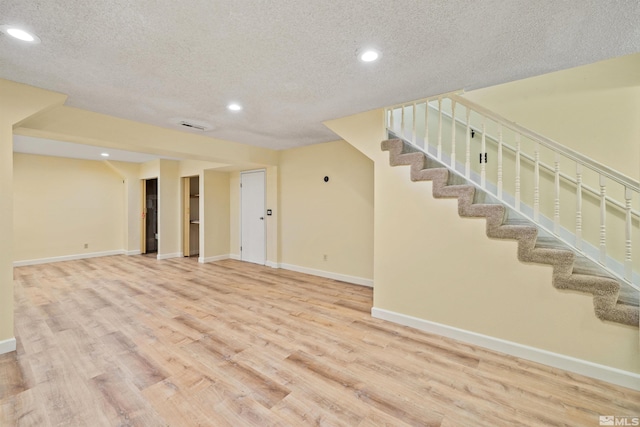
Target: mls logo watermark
x=612, y=420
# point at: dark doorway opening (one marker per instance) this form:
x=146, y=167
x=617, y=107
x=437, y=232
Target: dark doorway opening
x=151, y=215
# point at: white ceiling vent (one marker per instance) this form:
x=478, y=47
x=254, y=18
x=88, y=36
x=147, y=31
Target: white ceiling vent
x=194, y=125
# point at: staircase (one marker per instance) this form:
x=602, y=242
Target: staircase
x=614, y=299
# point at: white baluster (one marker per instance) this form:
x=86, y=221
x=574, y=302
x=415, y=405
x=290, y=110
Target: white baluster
x=603, y=220
x=467, y=162
x=628, y=265
x=453, y=134
x=579, y=206
x=536, y=183
x=483, y=164
x=414, y=140
x=500, y=162
x=402, y=123
x=426, y=126
x=439, y=150
x=518, y=148
x=556, y=202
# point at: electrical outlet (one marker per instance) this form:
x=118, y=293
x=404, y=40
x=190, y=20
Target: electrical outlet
x=326, y=257
x=86, y=246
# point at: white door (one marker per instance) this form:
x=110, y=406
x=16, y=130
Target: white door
x=252, y=217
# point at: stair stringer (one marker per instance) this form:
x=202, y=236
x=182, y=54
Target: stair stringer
x=604, y=290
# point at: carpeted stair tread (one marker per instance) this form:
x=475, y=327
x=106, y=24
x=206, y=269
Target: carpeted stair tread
x=518, y=228
x=613, y=300
x=627, y=295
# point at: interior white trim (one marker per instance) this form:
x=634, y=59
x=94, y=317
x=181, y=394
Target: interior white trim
x=202, y=260
x=272, y=264
x=7, y=346
x=262, y=171
x=130, y=253
x=67, y=258
x=234, y=256
x=561, y=361
x=168, y=256
x=329, y=275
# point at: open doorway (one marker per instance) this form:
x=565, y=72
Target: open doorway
x=149, y=216
x=191, y=216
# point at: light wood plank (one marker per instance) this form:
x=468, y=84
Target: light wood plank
x=136, y=341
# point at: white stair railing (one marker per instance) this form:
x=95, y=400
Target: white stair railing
x=589, y=206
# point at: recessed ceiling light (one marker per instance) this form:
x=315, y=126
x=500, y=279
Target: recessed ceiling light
x=104, y=154
x=20, y=34
x=234, y=107
x=368, y=55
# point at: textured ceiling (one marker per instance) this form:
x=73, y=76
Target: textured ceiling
x=292, y=64
x=48, y=147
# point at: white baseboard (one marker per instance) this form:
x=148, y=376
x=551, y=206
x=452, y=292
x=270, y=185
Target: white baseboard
x=168, y=256
x=561, y=361
x=67, y=258
x=267, y=263
x=329, y=275
x=7, y=346
x=202, y=260
x=131, y=253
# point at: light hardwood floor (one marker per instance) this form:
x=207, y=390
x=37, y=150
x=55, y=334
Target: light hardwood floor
x=132, y=341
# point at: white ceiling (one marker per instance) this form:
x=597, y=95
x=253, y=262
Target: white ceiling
x=49, y=147
x=291, y=63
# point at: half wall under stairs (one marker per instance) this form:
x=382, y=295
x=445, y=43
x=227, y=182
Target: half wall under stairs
x=613, y=300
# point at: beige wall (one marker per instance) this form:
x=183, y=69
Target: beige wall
x=6, y=230
x=150, y=170
x=195, y=167
x=333, y=218
x=104, y=200
x=431, y=264
x=593, y=109
x=20, y=102
x=62, y=204
x=234, y=214
x=17, y=103
x=214, y=214
x=170, y=210
x=130, y=173
x=273, y=221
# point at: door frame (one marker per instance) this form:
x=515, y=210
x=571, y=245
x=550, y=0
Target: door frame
x=186, y=213
x=143, y=215
x=264, y=181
